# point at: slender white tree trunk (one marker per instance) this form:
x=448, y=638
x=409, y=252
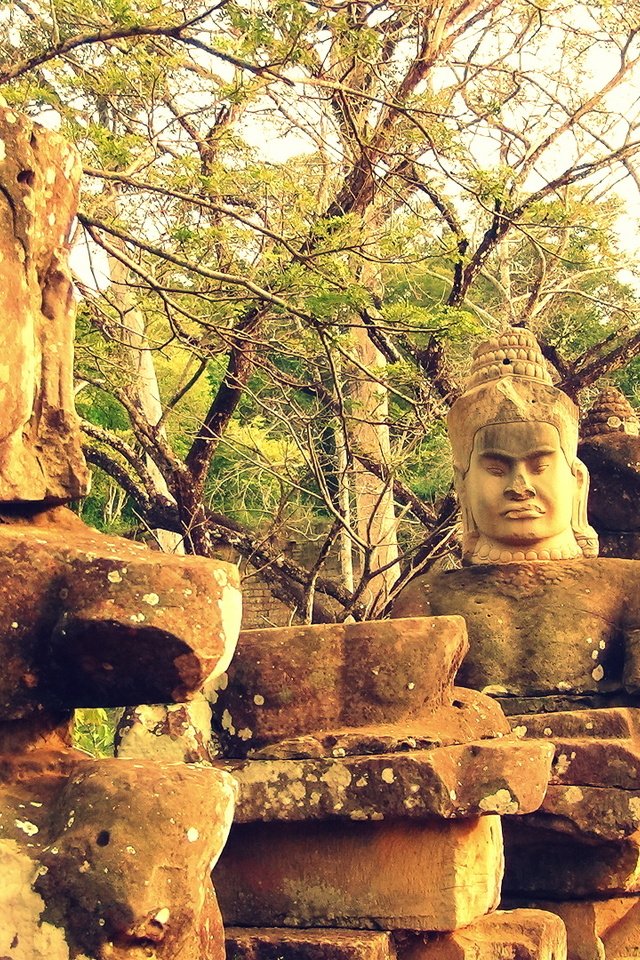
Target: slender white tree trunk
x=344, y=500
x=375, y=508
x=142, y=369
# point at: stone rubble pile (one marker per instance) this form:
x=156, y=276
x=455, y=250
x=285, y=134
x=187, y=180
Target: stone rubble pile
x=370, y=795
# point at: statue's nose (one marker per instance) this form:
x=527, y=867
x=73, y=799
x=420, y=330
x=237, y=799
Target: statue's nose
x=519, y=487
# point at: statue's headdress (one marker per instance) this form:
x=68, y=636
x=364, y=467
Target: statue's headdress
x=509, y=381
x=610, y=413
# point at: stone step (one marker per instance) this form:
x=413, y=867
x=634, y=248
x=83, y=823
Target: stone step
x=524, y=934
x=425, y=875
x=281, y=943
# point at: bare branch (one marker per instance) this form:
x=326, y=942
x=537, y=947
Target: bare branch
x=132, y=32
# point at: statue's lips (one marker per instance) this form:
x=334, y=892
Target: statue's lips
x=529, y=512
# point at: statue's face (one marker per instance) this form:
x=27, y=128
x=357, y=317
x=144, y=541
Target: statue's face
x=519, y=487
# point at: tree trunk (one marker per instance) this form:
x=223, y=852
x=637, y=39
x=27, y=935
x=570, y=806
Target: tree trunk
x=138, y=356
x=375, y=509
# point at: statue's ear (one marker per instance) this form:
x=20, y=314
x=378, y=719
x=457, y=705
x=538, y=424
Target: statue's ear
x=470, y=533
x=585, y=535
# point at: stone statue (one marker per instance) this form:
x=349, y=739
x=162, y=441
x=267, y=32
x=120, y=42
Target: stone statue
x=40, y=449
x=546, y=617
x=554, y=630
x=611, y=413
x=610, y=447
x=101, y=859
x=522, y=489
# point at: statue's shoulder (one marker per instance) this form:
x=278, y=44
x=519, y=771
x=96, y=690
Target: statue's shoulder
x=415, y=600
x=605, y=581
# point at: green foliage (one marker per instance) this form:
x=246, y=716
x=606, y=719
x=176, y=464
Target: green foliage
x=106, y=507
x=628, y=381
x=428, y=470
x=295, y=186
x=93, y=730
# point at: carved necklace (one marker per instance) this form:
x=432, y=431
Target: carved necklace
x=487, y=551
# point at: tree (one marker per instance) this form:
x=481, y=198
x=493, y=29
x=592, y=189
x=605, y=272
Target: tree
x=314, y=207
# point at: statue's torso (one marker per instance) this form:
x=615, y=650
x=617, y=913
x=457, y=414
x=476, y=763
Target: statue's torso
x=540, y=628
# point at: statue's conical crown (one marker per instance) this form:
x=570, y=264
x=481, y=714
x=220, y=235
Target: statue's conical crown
x=515, y=353
x=611, y=412
x=509, y=382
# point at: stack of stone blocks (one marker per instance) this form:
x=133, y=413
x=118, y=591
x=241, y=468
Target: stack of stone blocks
x=371, y=790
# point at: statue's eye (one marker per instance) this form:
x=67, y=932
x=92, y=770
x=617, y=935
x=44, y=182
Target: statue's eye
x=540, y=464
x=495, y=467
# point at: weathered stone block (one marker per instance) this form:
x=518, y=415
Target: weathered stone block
x=596, y=813
x=467, y=717
x=598, y=928
x=40, y=452
x=608, y=723
x=619, y=544
x=101, y=858
x=245, y=943
x=594, y=793
x=502, y=776
x=525, y=934
x=614, y=465
x=90, y=620
x=597, y=763
x=618, y=925
x=583, y=942
x=179, y=732
x=548, y=864
x=433, y=875
x=298, y=680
